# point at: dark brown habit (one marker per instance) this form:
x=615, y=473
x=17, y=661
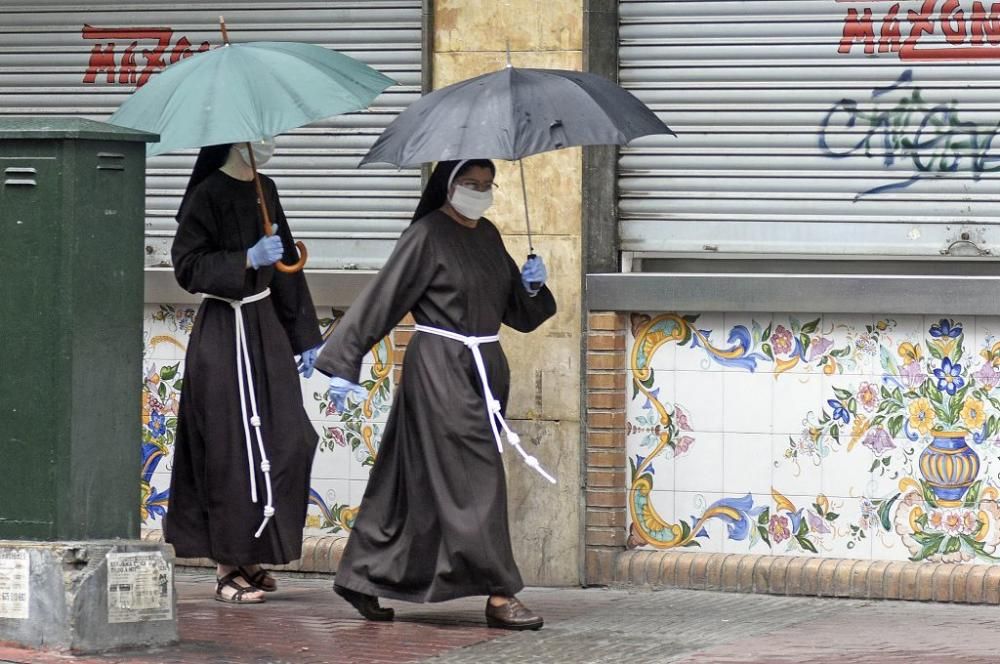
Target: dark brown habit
x=432, y=525
x=210, y=513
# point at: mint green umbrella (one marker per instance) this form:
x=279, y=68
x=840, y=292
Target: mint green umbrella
x=246, y=92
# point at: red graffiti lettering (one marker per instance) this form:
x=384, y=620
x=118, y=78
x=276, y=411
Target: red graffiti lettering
x=101, y=59
x=985, y=27
x=858, y=29
x=935, y=29
x=143, y=57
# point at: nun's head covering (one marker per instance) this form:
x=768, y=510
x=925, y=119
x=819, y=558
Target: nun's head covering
x=210, y=159
x=436, y=192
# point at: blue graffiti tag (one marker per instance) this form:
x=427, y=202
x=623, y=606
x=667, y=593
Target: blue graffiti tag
x=931, y=138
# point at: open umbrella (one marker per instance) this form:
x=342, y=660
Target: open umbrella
x=511, y=114
x=248, y=92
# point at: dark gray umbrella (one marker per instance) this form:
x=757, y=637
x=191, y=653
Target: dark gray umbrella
x=513, y=113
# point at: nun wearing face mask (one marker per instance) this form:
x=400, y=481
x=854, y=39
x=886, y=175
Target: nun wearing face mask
x=432, y=525
x=244, y=444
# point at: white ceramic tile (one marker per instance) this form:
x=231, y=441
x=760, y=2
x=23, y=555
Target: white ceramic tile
x=846, y=474
x=752, y=541
x=748, y=402
x=746, y=464
x=665, y=357
x=332, y=493
x=332, y=460
x=643, y=441
x=690, y=358
x=691, y=506
x=700, y=467
x=850, y=332
x=849, y=526
x=357, y=468
x=700, y=395
x=795, y=396
x=662, y=507
x=357, y=491
x=794, y=476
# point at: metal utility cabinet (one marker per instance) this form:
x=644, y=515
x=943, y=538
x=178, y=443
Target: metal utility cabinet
x=71, y=297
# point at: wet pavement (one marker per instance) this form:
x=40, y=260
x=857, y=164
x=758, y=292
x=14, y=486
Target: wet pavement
x=305, y=623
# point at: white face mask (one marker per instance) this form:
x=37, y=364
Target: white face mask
x=470, y=203
x=262, y=151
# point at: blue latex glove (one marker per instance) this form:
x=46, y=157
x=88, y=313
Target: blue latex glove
x=307, y=360
x=340, y=389
x=533, y=274
x=267, y=251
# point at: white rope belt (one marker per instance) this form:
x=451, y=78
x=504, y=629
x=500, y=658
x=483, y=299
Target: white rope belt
x=247, y=389
x=492, y=405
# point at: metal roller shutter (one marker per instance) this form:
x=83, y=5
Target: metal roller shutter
x=813, y=128
x=56, y=58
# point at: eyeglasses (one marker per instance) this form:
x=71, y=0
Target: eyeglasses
x=476, y=184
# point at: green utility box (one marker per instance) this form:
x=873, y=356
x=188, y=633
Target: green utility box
x=72, y=200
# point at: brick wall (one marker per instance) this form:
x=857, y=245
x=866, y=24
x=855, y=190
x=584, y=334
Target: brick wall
x=606, y=463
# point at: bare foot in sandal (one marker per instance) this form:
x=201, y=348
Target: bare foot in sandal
x=233, y=588
x=259, y=577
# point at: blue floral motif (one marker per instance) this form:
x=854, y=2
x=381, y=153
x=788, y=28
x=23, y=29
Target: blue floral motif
x=946, y=328
x=840, y=411
x=157, y=424
x=949, y=376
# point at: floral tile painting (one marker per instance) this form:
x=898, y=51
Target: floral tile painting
x=348, y=440
x=884, y=435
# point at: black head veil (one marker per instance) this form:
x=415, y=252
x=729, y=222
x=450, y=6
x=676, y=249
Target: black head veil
x=436, y=191
x=210, y=159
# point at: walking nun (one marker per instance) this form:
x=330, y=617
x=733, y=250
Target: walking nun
x=244, y=447
x=432, y=524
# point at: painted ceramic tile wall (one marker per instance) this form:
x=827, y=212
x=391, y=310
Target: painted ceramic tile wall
x=348, y=440
x=833, y=435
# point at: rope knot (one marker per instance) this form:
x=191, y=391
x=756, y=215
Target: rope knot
x=265, y=466
x=268, y=512
x=513, y=438
x=494, y=406
x=531, y=461
x=255, y=421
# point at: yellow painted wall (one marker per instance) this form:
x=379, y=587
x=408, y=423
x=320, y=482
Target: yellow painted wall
x=471, y=38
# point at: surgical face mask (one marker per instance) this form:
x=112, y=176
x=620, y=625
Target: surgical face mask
x=470, y=203
x=262, y=151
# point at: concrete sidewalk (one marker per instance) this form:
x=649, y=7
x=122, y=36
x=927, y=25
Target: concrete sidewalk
x=306, y=623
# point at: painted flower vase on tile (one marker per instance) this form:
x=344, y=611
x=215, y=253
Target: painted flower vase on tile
x=949, y=465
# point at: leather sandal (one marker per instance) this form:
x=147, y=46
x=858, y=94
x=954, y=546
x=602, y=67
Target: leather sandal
x=512, y=615
x=239, y=596
x=261, y=579
x=367, y=605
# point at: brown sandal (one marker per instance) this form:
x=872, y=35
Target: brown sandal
x=261, y=579
x=229, y=581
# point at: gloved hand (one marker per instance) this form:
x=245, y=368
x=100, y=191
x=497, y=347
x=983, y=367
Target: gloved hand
x=533, y=274
x=267, y=251
x=340, y=389
x=307, y=360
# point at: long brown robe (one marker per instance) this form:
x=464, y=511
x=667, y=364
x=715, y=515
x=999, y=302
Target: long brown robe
x=210, y=513
x=432, y=524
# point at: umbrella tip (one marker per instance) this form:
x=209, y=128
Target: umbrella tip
x=508, y=54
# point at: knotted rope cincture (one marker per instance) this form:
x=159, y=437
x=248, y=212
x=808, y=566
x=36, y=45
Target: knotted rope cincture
x=244, y=374
x=492, y=404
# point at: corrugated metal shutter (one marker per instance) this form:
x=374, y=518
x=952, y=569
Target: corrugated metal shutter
x=347, y=217
x=812, y=127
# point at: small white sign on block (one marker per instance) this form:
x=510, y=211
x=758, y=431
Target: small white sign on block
x=15, y=567
x=139, y=587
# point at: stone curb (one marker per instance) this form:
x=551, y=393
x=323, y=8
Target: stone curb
x=818, y=577
x=320, y=554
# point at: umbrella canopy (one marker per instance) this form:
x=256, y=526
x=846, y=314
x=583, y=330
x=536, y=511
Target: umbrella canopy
x=513, y=113
x=246, y=92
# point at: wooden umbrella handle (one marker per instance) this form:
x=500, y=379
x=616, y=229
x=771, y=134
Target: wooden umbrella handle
x=268, y=227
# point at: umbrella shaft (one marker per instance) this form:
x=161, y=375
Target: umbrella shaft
x=524, y=197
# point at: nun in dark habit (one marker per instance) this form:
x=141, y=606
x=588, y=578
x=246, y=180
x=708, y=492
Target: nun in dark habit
x=432, y=524
x=244, y=445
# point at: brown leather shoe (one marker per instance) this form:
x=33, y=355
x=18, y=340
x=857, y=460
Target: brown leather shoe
x=367, y=605
x=512, y=615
